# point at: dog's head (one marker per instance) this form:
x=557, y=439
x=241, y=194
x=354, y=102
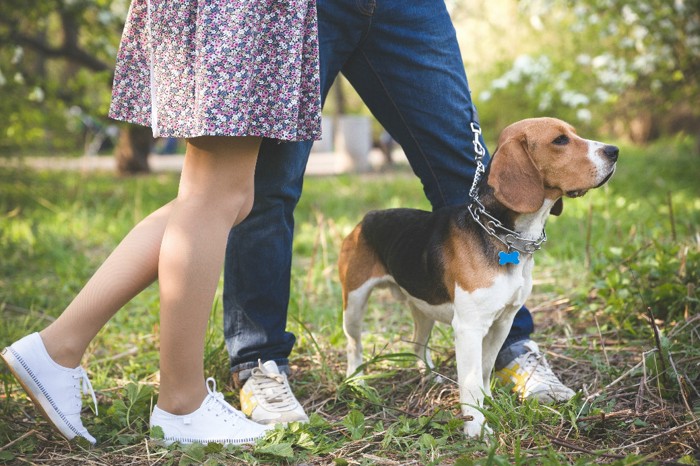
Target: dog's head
x=540, y=158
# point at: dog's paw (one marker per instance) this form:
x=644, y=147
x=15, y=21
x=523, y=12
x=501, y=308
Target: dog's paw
x=474, y=429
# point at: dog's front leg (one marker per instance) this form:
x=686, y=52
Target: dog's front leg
x=469, y=334
x=492, y=345
x=469, y=376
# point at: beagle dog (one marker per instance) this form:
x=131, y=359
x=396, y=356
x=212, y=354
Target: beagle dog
x=471, y=265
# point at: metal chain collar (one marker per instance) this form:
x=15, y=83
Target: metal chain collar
x=490, y=224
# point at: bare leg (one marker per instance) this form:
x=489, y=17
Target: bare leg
x=182, y=244
x=132, y=266
x=216, y=192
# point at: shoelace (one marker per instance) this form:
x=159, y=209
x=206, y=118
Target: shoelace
x=272, y=387
x=538, y=365
x=220, y=403
x=80, y=374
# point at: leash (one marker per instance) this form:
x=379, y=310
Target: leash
x=514, y=242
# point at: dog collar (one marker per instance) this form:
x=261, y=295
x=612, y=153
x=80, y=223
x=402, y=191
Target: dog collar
x=515, y=243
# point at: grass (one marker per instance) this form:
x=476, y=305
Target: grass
x=615, y=305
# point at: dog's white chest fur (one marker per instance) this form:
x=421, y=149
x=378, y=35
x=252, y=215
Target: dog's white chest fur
x=483, y=306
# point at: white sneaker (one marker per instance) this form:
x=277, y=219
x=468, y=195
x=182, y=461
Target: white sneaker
x=54, y=389
x=266, y=397
x=532, y=377
x=215, y=421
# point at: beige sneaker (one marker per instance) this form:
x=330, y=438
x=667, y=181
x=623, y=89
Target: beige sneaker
x=267, y=399
x=531, y=377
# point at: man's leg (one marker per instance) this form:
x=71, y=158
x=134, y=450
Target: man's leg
x=258, y=261
x=409, y=72
x=256, y=286
x=259, y=253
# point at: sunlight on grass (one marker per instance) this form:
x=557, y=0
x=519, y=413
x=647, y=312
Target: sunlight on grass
x=613, y=254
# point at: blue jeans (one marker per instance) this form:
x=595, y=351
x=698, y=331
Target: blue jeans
x=403, y=60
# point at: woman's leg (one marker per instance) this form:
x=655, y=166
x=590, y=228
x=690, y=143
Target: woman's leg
x=216, y=192
x=132, y=266
x=182, y=244
x=56, y=388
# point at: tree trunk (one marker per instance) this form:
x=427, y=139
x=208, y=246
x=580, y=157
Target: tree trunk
x=132, y=149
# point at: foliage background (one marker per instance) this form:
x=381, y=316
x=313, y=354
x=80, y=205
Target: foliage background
x=613, y=256
x=619, y=67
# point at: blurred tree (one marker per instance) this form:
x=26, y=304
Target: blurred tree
x=56, y=67
x=655, y=44
x=634, y=65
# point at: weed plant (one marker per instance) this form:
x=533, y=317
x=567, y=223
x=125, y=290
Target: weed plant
x=615, y=304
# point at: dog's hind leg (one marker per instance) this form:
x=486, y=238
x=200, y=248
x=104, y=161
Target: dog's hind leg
x=422, y=328
x=353, y=315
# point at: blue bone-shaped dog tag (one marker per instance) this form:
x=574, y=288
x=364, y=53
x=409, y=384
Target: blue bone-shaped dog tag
x=508, y=258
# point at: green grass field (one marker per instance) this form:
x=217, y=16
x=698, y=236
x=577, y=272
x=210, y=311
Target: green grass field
x=614, y=258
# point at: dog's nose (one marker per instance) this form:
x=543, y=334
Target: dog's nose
x=611, y=152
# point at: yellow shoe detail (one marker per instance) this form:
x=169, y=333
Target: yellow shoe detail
x=248, y=403
x=510, y=375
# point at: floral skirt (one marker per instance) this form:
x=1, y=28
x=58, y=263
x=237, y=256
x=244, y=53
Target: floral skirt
x=190, y=68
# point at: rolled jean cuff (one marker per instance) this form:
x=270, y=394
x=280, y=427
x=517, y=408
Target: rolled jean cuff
x=510, y=350
x=241, y=372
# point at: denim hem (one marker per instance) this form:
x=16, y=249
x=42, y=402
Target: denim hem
x=241, y=372
x=510, y=350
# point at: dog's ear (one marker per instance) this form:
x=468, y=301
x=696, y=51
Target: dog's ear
x=516, y=181
x=558, y=207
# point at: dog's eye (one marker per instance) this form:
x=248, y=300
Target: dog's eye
x=561, y=140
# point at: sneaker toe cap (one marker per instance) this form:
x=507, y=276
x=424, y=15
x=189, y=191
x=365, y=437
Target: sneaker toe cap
x=548, y=394
x=284, y=417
